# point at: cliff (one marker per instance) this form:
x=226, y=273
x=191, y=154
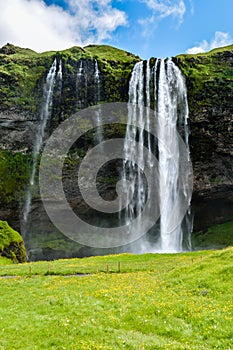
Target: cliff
x=209, y=79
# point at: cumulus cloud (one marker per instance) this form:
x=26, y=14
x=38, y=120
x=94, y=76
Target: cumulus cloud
x=166, y=8
x=220, y=39
x=32, y=23
x=160, y=10
x=97, y=18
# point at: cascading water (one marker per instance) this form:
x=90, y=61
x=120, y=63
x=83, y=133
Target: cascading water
x=97, y=82
x=130, y=170
x=81, y=86
x=59, y=77
x=88, y=91
x=44, y=117
x=171, y=109
x=99, y=133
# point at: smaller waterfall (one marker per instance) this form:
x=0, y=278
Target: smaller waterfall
x=59, y=77
x=97, y=82
x=99, y=132
x=81, y=86
x=44, y=117
x=131, y=171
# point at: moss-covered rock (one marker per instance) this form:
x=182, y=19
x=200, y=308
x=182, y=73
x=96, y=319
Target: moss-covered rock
x=11, y=243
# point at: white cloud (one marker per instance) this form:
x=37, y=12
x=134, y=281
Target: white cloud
x=32, y=23
x=166, y=8
x=192, y=7
x=161, y=9
x=97, y=18
x=220, y=39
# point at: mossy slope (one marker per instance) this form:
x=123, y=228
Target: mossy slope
x=11, y=243
x=209, y=75
x=217, y=236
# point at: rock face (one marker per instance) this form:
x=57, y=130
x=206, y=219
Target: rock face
x=209, y=79
x=210, y=87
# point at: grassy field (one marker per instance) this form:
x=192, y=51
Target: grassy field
x=216, y=237
x=152, y=301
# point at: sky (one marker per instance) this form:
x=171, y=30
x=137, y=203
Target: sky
x=147, y=28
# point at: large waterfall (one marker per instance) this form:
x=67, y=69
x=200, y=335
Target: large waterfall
x=162, y=86
x=43, y=121
x=157, y=92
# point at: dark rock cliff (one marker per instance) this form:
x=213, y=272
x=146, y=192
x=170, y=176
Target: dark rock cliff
x=209, y=80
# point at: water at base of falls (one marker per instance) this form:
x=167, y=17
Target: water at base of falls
x=162, y=86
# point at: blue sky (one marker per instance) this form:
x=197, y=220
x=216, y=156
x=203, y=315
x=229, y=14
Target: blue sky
x=147, y=28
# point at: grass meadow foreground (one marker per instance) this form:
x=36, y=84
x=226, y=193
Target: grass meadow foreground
x=152, y=301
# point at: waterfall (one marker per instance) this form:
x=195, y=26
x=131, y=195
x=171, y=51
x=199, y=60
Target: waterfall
x=171, y=109
x=131, y=171
x=59, y=78
x=44, y=117
x=81, y=86
x=99, y=132
x=97, y=82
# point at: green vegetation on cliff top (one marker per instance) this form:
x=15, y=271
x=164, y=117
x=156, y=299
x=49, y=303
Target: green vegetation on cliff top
x=23, y=70
x=208, y=73
x=181, y=301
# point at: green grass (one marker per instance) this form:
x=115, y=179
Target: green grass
x=181, y=301
x=217, y=236
x=110, y=53
x=5, y=261
x=211, y=52
x=101, y=52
